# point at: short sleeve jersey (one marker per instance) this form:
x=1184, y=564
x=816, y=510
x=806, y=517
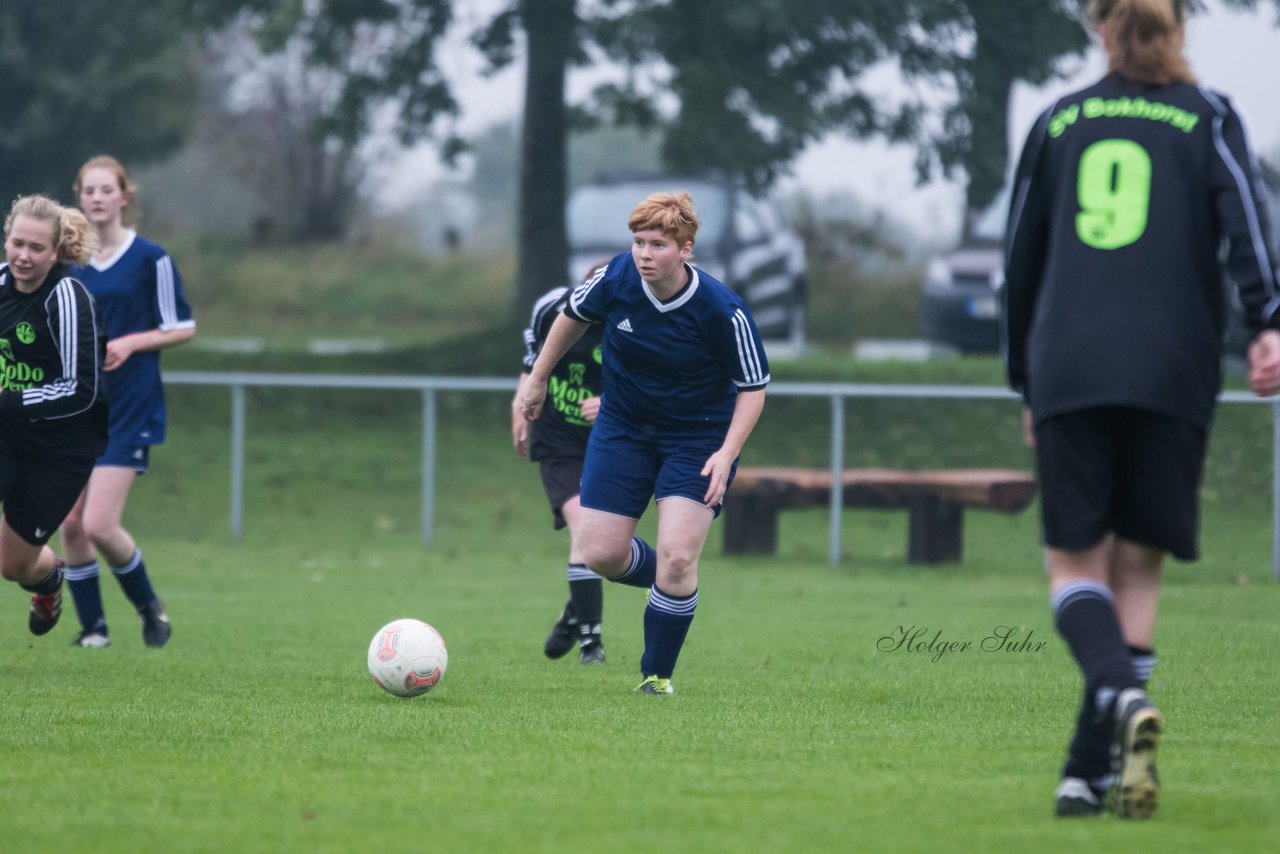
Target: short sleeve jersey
x=1124, y=201
x=673, y=364
x=138, y=289
x=560, y=430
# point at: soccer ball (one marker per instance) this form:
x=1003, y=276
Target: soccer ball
x=407, y=658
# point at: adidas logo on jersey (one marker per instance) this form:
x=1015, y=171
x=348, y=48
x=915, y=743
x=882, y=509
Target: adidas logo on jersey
x=625, y=325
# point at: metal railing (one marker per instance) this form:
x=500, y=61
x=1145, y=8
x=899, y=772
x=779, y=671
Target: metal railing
x=429, y=386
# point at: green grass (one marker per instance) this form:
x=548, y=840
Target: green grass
x=258, y=729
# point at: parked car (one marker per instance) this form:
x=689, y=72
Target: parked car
x=743, y=241
x=959, y=305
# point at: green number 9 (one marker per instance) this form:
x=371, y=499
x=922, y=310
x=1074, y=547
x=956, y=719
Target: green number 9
x=1114, y=191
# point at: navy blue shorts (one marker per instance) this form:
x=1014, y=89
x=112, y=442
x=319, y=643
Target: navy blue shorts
x=625, y=467
x=136, y=457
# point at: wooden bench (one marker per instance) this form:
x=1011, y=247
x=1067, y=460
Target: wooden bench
x=935, y=500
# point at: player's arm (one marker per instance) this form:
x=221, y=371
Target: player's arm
x=565, y=332
x=746, y=412
x=1245, y=220
x=519, y=426
x=120, y=349
x=1026, y=241
x=171, y=313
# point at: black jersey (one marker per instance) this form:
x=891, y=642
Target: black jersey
x=52, y=346
x=560, y=430
x=1125, y=198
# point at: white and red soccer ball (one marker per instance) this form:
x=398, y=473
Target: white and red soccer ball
x=407, y=657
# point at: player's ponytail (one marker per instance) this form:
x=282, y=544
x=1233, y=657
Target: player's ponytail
x=76, y=238
x=73, y=237
x=1143, y=39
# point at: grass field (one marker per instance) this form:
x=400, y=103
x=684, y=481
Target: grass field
x=258, y=729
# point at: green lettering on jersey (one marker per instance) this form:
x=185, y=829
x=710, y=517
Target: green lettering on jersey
x=1113, y=188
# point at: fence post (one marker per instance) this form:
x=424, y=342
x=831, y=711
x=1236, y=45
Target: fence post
x=837, y=476
x=237, y=460
x=428, y=464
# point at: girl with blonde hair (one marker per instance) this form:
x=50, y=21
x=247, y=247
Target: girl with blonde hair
x=53, y=413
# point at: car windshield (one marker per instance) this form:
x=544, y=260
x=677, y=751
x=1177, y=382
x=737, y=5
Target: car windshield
x=598, y=213
x=991, y=223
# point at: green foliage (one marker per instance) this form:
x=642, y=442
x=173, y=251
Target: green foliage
x=773, y=78
x=80, y=82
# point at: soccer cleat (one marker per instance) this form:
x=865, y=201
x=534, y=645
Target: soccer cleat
x=655, y=686
x=89, y=639
x=1138, y=725
x=1075, y=797
x=155, y=624
x=46, y=608
x=592, y=651
x=563, y=634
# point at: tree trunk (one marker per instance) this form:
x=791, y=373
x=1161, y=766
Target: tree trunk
x=542, y=255
x=988, y=110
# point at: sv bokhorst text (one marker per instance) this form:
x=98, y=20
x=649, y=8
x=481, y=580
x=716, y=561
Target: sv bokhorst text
x=918, y=639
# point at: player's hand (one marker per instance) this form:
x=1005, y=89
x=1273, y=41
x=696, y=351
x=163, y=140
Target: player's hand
x=519, y=434
x=717, y=469
x=532, y=395
x=1028, y=429
x=1264, y=363
x=118, y=352
x=590, y=409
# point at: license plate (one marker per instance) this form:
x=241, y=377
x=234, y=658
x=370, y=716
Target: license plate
x=983, y=307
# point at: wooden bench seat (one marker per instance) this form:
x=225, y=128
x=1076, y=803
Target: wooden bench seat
x=935, y=500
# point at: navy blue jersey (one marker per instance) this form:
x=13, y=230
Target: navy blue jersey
x=138, y=289
x=676, y=363
x=560, y=430
x=51, y=351
x=1124, y=197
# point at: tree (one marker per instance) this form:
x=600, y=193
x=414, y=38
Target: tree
x=79, y=81
x=327, y=70
x=1027, y=46
x=758, y=80
x=550, y=28
x=1005, y=48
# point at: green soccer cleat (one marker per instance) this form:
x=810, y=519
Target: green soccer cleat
x=655, y=686
x=1136, y=791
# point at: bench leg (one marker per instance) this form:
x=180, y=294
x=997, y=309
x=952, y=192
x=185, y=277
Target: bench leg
x=750, y=526
x=935, y=532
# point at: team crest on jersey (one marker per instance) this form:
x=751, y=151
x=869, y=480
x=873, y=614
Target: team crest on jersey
x=26, y=332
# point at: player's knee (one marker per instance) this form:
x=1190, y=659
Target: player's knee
x=607, y=559
x=13, y=570
x=73, y=528
x=677, y=564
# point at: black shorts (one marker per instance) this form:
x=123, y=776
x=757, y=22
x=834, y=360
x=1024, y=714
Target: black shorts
x=38, y=490
x=1131, y=472
x=561, y=480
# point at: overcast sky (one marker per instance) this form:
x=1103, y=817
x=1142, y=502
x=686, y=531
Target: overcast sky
x=1236, y=53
